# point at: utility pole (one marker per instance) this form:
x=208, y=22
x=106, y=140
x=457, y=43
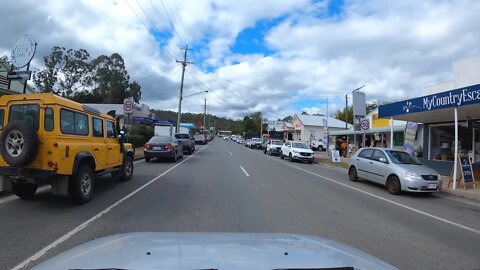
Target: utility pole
x=184, y=64
x=204, y=114
x=346, y=111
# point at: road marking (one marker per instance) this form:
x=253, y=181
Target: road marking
x=476, y=231
x=80, y=227
x=10, y=198
x=138, y=161
x=230, y=153
x=248, y=175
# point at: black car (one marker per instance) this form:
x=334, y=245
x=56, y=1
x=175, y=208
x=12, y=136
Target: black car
x=163, y=147
x=188, y=142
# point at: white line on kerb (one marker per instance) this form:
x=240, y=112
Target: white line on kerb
x=386, y=200
x=248, y=175
x=97, y=216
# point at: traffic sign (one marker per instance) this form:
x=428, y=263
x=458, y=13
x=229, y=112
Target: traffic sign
x=364, y=124
x=128, y=106
x=19, y=75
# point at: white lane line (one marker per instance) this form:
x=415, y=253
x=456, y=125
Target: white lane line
x=10, y=198
x=244, y=171
x=230, y=153
x=138, y=161
x=473, y=230
x=65, y=237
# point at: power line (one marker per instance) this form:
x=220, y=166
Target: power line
x=143, y=77
x=180, y=18
x=173, y=24
x=146, y=15
x=210, y=90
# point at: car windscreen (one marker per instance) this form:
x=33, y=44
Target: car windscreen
x=182, y=136
x=400, y=157
x=300, y=145
x=277, y=142
x=256, y=140
x=29, y=113
x=160, y=139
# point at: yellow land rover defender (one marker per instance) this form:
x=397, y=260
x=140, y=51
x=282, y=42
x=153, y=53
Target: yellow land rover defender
x=47, y=139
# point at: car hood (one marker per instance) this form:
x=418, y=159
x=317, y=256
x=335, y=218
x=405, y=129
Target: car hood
x=304, y=150
x=150, y=250
x=420, y=169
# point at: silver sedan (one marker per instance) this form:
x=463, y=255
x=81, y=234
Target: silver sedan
x=397, y=170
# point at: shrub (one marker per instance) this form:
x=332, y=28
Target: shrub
x=136, y=139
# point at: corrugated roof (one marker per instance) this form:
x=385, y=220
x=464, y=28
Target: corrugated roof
x=396, y=128
x=313, y=120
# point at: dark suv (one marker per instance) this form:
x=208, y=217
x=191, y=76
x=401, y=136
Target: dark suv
x=187, y=141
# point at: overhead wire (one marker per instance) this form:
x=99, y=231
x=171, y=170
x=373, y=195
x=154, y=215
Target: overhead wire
x=172, y=23
x=180, y=19
x=146, y=15
x=212, y=91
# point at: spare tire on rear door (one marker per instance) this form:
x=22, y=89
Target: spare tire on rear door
x=19, y=143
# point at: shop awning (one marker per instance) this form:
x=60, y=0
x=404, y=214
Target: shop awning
x=396, y=128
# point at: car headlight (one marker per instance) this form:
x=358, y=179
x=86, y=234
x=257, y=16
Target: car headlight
x=413, y=176
x=295, y=151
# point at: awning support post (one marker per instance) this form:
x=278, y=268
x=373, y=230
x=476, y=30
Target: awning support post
x=391, y=132
x=455, y=158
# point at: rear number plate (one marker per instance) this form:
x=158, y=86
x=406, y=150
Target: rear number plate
x=432, y=186
x=157, y=148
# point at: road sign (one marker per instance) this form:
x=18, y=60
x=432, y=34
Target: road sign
x=19, y=75
x=364, y=124
x=128, y=106
x=23, y=51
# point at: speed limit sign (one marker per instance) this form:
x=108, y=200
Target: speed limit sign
x=364, y=124
x=128, y=106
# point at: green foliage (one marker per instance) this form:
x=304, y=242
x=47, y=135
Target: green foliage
x=146, y=131
x=136, y=139
x=74, y=75
x=340, y=114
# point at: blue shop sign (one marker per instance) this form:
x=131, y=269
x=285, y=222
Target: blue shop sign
x=142, y=119
x=453, y=98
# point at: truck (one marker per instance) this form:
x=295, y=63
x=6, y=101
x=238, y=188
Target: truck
x=163, y=130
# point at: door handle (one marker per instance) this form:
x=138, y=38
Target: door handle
x=95, y=149
x=110, y=148
x=357, y=159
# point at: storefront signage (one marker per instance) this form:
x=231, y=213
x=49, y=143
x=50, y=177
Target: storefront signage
x=409, y=138
x=335, y=156
x=379, y=122
x=23, y=51
x=466, y=169
x=454, y=98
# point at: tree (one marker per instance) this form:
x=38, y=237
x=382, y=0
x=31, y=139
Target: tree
x=304, y=113
x=288, y=118
x=341, y=114
x=45, y=80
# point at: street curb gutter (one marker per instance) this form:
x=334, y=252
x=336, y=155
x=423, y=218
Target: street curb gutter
x=443, y=192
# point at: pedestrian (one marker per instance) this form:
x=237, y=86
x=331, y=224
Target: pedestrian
x=344, y=148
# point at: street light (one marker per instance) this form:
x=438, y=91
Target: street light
x=179, y=112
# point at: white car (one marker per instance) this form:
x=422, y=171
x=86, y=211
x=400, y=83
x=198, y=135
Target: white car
x=318, y=145
x=297, y=151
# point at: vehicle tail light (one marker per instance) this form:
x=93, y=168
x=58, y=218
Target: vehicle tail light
x=55, y=166
x=146, y=146
x=50, y=164
x=168, y=146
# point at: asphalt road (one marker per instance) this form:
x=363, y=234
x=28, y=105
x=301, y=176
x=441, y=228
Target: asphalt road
x=225, y=187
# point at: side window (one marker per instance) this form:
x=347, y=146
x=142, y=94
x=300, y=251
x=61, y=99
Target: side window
x=111, y=130
x=73, y=122
x=48, y=119
x=2, y=116
x=377, y=154
x=367, y=153
x=25, y=112
x=97, y=125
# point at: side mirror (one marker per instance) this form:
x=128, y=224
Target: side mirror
x=384, y=160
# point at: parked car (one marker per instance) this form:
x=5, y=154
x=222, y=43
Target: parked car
x=200, y=138
x=256, y=143
x=163, y=147
x=273, y=147
x=396, y=169
x=248, y=142
x=47, y=139
x=188, y=142
x=241, y=141
x=318, y=145
x=297, y=151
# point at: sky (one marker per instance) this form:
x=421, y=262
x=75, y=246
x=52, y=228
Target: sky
x=279, y=57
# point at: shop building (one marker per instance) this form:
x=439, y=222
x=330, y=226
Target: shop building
x=450, y=113
x=8, y=87
x=312, y=127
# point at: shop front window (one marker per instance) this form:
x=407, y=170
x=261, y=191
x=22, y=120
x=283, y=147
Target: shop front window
x=442, y=141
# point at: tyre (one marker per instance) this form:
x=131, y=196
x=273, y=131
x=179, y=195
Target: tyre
x=290, y=158
x=281, y=155
x=175, y=157
x=126, y=171
x=24, y=190
x=320, y=148
x=81, y=185
x=393, y=185
x=147, y=159
x=352, y=174
x=19, y=143
x=270, y=152
x=265, y=151
x=310, y=161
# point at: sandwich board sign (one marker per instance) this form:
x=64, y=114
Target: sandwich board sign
x=466, y=171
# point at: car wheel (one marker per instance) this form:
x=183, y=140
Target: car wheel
x=127, y=169
x=310, y=161
x=81, y=185
x=352, y=174
x=393, y=185
x=270, y=152
x=19, y=143
x=24, y=190
x=265, y=151
x=147, y=159
x=320, y=148
x=175, y=157
x=290, y=158
x=281, y=155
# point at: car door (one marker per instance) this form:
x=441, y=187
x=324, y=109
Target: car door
x=379, y=165
x=286, y=148
x=99, y=144
x=363, y=163
x=114, y=156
